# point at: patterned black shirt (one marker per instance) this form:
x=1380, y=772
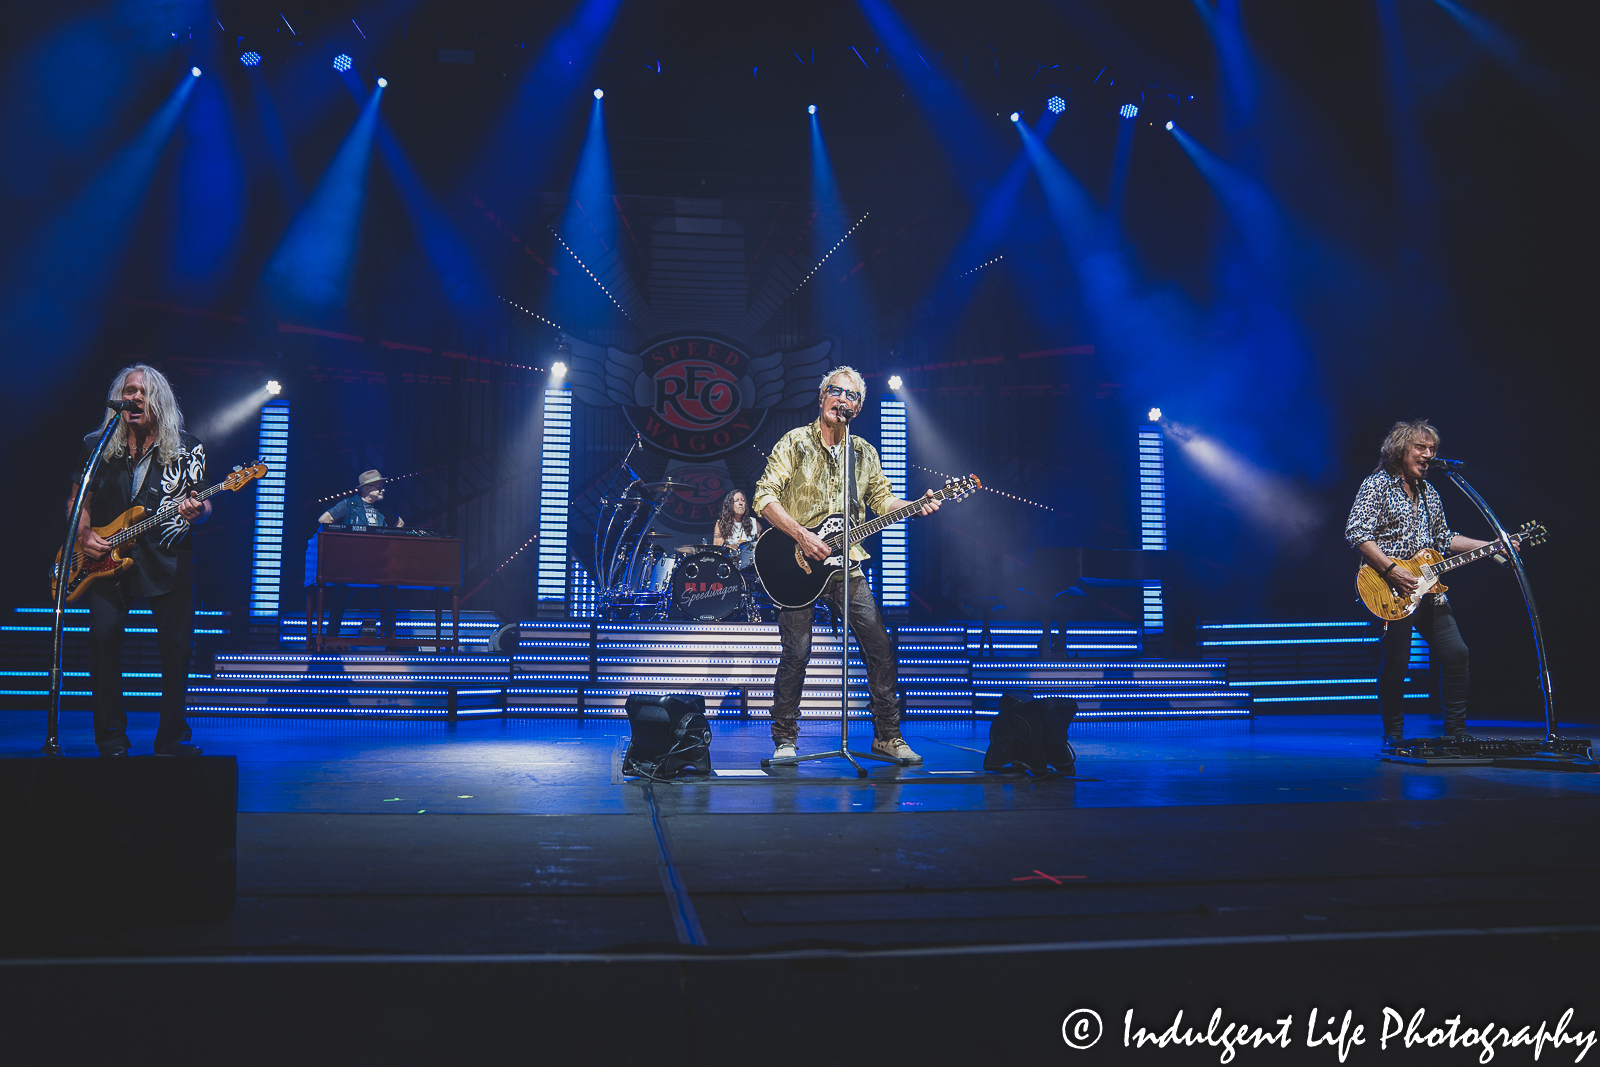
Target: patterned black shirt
x=163, y=557
x=1402, y=527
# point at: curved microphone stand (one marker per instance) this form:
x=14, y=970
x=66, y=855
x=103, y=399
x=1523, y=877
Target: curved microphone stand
x=1549, y=749
x=52, y=740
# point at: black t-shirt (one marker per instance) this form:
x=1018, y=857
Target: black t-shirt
x=163, y=556
x=353, y=511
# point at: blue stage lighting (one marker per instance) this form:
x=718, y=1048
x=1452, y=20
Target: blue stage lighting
x=812, y=110
x=1016, y=116
x=1169, y=124
x=383, y=83
x=251, y=59
x=598, y=93
x=1056, y=105
x=342, y=62
x=1129, y=111
x=895, y=381
x=195, y=71
x=1154, y=415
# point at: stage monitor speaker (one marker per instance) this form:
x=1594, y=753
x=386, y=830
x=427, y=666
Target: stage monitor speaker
x=1032, y=735
x=146, y=838
x=671, y=737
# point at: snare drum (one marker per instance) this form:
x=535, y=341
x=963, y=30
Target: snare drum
x=707, y=586
x=747, y=555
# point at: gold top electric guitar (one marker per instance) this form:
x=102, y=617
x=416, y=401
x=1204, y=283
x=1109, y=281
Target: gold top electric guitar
x=1386, y=603
x=122, y=530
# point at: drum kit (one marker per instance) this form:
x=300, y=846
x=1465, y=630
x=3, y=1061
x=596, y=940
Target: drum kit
x=639, y=579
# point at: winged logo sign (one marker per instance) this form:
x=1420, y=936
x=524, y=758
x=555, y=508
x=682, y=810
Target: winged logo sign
x=693, y=396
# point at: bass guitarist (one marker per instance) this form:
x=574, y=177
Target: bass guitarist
x=150, y=460
x=802, y=485
x=1397, y=514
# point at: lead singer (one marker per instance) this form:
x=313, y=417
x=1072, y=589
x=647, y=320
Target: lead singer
x=802, y=485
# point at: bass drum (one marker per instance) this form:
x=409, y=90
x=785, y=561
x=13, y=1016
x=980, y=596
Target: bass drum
x=707, y=587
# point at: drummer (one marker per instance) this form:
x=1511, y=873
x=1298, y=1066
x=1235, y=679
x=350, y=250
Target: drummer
x=736, y=525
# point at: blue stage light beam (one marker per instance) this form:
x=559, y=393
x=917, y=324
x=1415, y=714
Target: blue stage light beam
x=461, y=279
x=972, y=146
x=311, y=267
x=209, y=196
x=1240, y=80
x=588, y=230
x=1120, y=160
x=53, y=284
x=520, y=154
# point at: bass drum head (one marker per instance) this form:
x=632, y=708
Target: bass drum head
x=707, y=587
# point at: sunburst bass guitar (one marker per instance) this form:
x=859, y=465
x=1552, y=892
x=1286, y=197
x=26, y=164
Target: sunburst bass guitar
x=794, y=580
x=1383, y=601
x=121, y=532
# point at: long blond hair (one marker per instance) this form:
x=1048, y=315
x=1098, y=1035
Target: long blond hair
x=1392, y=455
x=160, y=404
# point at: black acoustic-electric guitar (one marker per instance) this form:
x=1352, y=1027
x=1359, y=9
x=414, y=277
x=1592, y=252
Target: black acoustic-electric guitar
x=794, y=580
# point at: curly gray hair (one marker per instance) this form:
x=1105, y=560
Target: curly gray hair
x=1392, y=455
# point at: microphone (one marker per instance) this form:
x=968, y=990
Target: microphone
x=1446, y=464
x=117, y=405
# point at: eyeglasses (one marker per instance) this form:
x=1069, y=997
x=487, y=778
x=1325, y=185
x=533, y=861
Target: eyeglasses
x=849, y=394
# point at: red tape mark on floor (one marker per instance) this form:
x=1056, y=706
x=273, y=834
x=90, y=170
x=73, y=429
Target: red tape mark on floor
x=1039, y=875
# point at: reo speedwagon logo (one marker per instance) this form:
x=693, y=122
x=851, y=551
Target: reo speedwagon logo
x=695, y=396
x=697, y=408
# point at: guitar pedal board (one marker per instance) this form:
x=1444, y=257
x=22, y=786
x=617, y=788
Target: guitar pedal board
x=1479, y=751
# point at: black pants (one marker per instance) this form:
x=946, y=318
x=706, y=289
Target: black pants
x=1437, y=625
x=794, y=632
x=174, y=620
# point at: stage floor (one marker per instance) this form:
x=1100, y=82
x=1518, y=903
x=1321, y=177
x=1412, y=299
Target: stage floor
x=518, y=836
x=411, y=892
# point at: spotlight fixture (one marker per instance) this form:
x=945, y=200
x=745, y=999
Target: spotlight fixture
x=598, y=93
x=812, y=110
x=383, y=83
x=1016, y=116
x=558, y=371
x=1056, y=105
x=1129, y=111
x=273, y=388
x=1169, y=124
x=195, y=71
x=251, y=59
x=1153, y=415
x=342, y=62
x=895, y=381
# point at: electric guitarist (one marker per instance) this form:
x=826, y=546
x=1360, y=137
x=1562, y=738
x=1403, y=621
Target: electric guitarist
x=1397, y=514
x=802, y=485
x=151, y=461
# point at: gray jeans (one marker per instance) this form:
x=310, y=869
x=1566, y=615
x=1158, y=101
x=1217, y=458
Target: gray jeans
x=794, y=631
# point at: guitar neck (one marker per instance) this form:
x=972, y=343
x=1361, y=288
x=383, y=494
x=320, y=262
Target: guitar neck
x=862, y=531
x=130, y=532
x=1464, y=558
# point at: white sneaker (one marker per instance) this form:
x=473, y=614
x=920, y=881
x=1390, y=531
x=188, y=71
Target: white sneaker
x=785, y=751
x=895, y=748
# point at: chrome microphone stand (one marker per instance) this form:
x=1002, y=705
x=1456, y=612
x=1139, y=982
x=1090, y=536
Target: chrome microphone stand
x=52, y=740
x=1551, y=748
x=844, y=751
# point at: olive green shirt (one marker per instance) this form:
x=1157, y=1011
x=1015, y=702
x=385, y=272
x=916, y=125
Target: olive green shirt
x=804, y=477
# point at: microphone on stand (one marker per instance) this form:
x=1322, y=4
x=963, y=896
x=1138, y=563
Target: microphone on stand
x=1446, y=464
x=118, y=405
